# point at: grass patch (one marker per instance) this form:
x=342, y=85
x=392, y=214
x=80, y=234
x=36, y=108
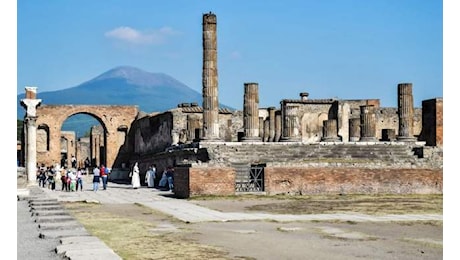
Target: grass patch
x=129, y=229
x=378, y=204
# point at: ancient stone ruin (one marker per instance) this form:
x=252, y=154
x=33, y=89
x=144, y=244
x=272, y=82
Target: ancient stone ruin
x=304, y=146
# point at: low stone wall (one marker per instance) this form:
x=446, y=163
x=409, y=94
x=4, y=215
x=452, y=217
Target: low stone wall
x=301, y=181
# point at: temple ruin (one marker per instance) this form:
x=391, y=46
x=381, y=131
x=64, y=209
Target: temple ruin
x=302, y=146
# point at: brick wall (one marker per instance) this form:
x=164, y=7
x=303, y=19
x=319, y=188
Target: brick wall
x=190, y=182
x=294, y=180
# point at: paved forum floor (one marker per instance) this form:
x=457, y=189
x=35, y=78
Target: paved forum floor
x=180, y=209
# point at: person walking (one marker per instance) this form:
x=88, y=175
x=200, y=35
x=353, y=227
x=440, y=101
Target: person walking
x=79, y=180
x=72, y=176
x=150, y=176
x=135, y=180
x=163, y=180
x=63, y=179
x=74, y=162
x=42, y=176
x=96, y=178
x=104, y=176
x=170, y=177
x=51, y=178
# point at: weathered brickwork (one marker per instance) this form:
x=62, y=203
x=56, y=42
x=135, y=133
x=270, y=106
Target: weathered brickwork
x=293, y=180
x=190, y=182
x=112, y=118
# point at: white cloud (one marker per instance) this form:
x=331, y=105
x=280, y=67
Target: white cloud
x=133, y=36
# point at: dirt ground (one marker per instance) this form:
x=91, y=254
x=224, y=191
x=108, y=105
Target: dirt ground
x=162, y=237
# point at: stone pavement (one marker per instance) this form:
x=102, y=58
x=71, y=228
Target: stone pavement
x=54, y=222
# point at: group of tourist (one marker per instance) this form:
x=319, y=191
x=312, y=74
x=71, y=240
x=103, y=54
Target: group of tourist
x=100, y=173
x=72, y=179
x=166, y=181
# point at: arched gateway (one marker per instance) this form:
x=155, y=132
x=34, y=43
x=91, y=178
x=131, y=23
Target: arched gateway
x=115, y=120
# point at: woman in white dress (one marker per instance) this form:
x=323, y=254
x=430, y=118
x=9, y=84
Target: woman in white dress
x=135, y=180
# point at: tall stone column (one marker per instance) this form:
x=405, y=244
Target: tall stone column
x=330, y=131
x=30, y=103
x=291, y=126
x=271, y=116
x=251, y=113
x=354, y=129
x=278, y=130
x=368, y=124
x=261, y=128
x=210, y=80
x=31, y=166
x=405, y=112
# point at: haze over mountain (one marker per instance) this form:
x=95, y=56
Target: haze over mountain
x=124, y=85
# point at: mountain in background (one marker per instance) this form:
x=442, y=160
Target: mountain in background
x=124, y=85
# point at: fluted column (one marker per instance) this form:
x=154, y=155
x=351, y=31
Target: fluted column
x=210, y=80
x=354, y=129
x=251, y=113
x=291, y=126
x=405, y=112
x=368, y=130
x=271, y=116
x=330, y=131
x=278, y=130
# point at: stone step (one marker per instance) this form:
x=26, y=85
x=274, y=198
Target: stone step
x=48, y=219
x=46, y=207
x=63, y=233
x=50, y=213
x=60, y=225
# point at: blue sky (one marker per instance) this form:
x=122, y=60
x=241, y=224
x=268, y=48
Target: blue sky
x=346, y=49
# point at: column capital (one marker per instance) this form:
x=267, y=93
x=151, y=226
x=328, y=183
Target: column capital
x=31, y=106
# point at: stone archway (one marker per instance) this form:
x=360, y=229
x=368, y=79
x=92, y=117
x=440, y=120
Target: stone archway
x=112, y=118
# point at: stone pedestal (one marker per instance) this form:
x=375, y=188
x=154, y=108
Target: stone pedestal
x=368, y=124
x=330, y=131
